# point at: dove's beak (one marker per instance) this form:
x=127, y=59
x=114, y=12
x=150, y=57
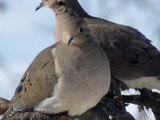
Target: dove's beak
x=70, y=39
x=39, y=6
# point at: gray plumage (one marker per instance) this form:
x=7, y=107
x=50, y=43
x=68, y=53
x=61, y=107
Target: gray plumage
x=133, y=59
x=72, y=75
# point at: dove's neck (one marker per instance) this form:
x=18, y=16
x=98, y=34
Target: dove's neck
x=60, y=22
x=74, y=4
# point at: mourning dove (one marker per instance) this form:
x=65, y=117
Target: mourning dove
x=72, y=75
x=133, y=59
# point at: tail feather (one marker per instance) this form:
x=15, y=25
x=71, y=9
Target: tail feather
x=9, y=113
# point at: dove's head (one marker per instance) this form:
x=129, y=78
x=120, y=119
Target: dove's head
x=48, y=3
x=76, y=32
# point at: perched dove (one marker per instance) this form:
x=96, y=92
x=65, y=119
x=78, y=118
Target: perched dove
x=72, y=77
x=133, y=59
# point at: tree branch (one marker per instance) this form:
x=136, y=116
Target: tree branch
x=147, y=98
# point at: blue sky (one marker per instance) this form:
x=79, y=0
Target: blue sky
x=24, y=32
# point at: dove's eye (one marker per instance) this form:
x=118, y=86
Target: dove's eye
x=81, y=29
